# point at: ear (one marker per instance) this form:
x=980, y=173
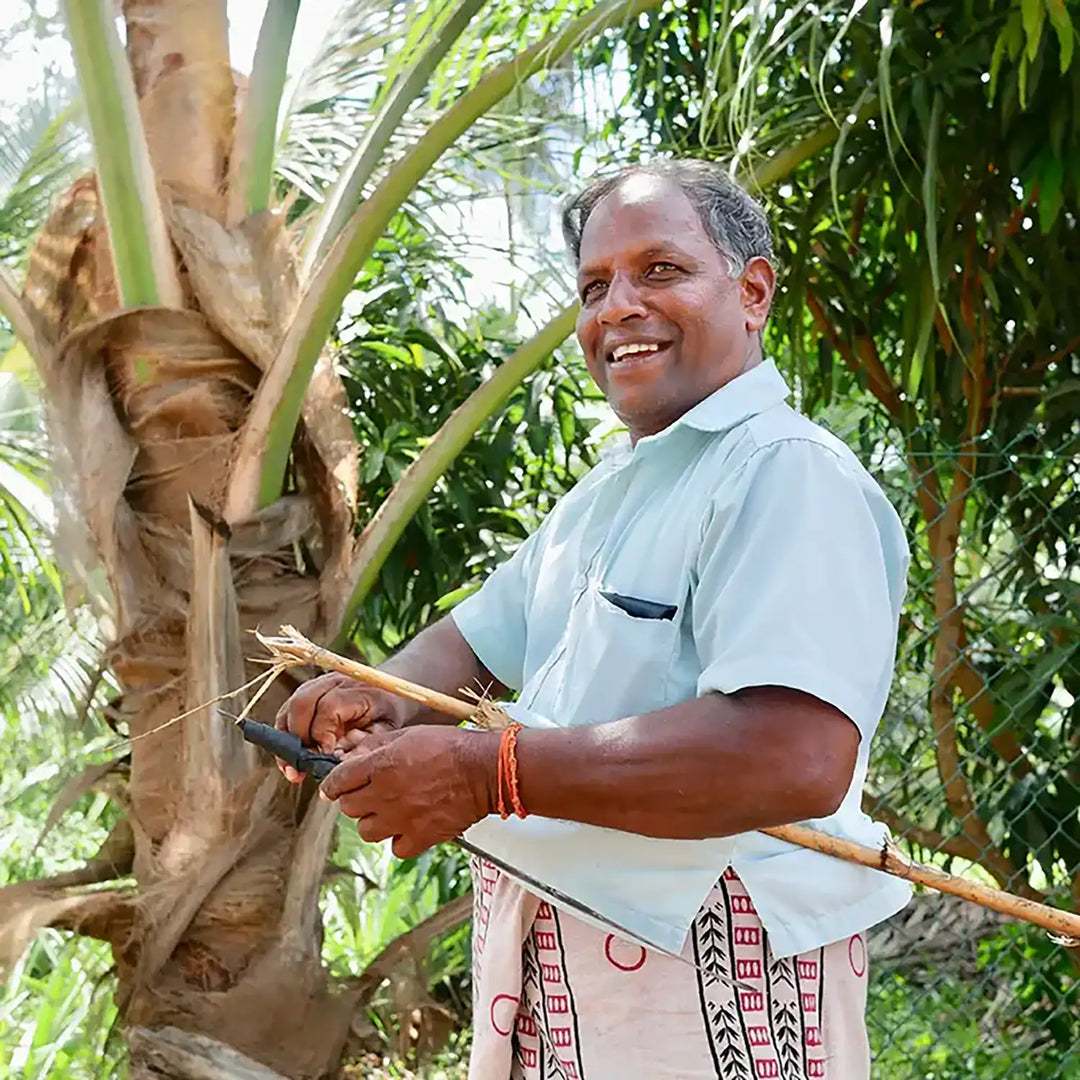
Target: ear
x=756, y=287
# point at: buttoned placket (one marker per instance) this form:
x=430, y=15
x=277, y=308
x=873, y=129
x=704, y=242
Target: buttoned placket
x=601, y=513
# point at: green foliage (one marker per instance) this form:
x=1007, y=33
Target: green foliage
x=57, y=1012
x=25, y=507
x=39, y=154
x=56, y=1005
x=932, y=1031
x=1011, y=1012
x=370, y=899
x=414, y=348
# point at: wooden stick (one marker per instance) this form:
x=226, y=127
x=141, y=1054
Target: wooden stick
x=293, y=648
x=1064, y=924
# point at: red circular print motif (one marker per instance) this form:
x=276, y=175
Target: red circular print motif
x=856, y=952
x=504, y=1008
x=622, y=954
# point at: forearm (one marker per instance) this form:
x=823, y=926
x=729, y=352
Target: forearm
x=440, y=659
x=714, y=766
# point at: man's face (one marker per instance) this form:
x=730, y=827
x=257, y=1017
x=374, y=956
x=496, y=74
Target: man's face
x=662, y=322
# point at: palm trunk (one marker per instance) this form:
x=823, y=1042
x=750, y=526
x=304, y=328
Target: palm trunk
x=179, y=56
x=220, y=938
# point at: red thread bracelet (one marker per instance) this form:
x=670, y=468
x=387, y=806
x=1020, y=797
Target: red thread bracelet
x=506, y=776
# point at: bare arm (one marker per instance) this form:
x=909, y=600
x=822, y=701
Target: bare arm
x=440, y=659
x=714, y=766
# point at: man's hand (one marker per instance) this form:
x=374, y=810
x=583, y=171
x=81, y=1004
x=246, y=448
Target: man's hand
x=422, y=785
x=325, y=710
x=334, y=712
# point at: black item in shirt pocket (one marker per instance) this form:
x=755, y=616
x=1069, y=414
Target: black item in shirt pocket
x=640, y=609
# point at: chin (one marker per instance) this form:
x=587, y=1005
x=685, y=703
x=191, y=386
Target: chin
x=642, y=422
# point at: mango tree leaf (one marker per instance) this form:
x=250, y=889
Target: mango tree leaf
x=1033, y=12
x=1062, y=24
x=1051, y=196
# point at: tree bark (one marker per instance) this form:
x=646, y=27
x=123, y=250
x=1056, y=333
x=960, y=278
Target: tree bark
x=171, y=1054
x=179, y=55
x=221, y=940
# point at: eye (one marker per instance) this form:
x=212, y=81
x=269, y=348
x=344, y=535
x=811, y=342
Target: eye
x=662, y=268
x=593, y=290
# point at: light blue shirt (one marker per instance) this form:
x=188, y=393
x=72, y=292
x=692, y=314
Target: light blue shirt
x=773, y=558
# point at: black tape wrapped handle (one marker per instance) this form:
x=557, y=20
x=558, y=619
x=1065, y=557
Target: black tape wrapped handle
x=288, y=747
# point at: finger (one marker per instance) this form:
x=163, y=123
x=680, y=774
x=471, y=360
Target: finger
x=354, y=738
x=365, y=741
x=408, y=847
x=302, y=698
x=337, y=711
x=373, y=829
x=288, y=772
x=353, y=773
x=297, y=713
x=359, y=803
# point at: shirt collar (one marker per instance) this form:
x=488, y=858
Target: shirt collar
x=746, y=395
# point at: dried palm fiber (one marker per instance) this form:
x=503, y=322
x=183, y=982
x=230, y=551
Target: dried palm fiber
x=292, y=647
x=244, y=279
x=145, y=406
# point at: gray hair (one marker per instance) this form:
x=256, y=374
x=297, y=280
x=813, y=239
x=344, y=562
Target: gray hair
x=734, y=221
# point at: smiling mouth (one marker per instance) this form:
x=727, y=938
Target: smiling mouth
x=626, y=356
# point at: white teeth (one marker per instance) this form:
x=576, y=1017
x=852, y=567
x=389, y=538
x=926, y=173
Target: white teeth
x=630, y=350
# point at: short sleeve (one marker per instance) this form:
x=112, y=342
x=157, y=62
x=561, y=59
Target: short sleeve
x=493, y=620
x=799, y=581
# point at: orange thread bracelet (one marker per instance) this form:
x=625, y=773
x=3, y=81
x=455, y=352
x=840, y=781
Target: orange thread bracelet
x=506, y=777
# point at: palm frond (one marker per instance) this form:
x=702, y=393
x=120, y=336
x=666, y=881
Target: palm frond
x=26, y=515
x=40, y=153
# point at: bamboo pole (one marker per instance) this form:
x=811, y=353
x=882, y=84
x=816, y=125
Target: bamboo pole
x=292, y=648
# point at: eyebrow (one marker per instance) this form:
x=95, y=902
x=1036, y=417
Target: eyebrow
x=651, y=252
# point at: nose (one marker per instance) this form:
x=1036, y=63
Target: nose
x=622, y=301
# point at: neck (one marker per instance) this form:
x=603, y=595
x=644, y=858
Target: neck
x=754, y=355
x=751, y=358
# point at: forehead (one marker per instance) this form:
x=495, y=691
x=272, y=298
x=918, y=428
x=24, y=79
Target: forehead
x=642, y=213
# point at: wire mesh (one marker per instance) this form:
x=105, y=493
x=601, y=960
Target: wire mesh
x=976, y=765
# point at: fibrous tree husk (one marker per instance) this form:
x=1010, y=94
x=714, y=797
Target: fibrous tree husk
x=221, y=936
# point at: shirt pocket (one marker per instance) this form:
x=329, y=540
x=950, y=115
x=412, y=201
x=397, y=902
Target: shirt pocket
x=616, y=663
x=639, y=608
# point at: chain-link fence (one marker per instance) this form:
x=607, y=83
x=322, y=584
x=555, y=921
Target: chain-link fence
x=977, y=762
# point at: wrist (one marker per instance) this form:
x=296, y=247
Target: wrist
x=479, y=761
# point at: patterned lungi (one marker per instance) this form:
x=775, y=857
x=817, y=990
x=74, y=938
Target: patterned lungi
x=556, y=999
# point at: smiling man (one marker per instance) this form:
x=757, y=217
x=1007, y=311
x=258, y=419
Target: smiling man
x=701, y=635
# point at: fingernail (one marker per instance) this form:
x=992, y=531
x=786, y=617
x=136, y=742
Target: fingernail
x=291, y=775
x=324, y=796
